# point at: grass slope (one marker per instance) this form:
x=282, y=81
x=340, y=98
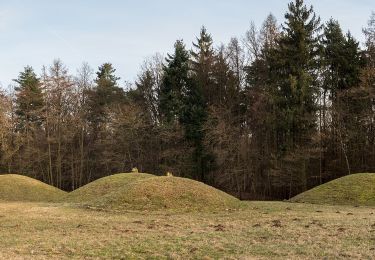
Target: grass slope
x=166, y=193
x=103, y=186
x=356, y=189
x=21, y=188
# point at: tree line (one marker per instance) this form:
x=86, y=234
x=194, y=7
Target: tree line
x=268, y=115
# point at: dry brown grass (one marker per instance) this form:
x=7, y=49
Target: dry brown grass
x=261, y=230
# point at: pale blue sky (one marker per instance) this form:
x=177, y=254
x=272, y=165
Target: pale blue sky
x=34, y=32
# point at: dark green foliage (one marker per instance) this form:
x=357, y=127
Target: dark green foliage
x=353, y=62
x=202, y=63
x=176, y=81
x=182, y=101
x=341, y=58
x=105, y=94
x=203, y=94
x=145, y=95
x=294, y=66
x=193, y=116
x=342, y=65
x=333, y=43
x=224, y=81
x=29, y=98
x=286, y=76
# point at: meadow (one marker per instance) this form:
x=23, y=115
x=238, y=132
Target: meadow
x=68, y=229
x=260, y=230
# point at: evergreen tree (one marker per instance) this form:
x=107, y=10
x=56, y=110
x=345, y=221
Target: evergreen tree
x=293, y=90
x=193, y=116
x=257, y=72
x=294, y=67
x=352, y=106
x=341, y=62
x=107, y=86
x=224, y=81
x=181, y=101
x=353, y=62
x=105, y=93
x=29, y=98
x=333, y=44
x=145, y=95
x=147, y=90
x=29, y=117
x=175, y=82
x=202, y=65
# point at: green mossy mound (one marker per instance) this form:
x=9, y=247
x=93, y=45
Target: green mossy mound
x=103, y=186
x=356, y=190
x=21, y=188
x=159, y=193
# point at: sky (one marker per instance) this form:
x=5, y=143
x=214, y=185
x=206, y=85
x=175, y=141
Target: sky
x=124, y=32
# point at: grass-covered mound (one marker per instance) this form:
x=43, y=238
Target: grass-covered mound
x=166, y=193
x=356, y=189
x=103, y=186
x=21, y=188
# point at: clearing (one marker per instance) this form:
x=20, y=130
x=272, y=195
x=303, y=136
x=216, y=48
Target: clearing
x=134, y=215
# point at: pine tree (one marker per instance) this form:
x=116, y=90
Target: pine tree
x=347, y=107
x=333, y=45
x=353, y=62
x=29, y=98
x=202, y=65
x=294, y=67
x=175, y=82
x=181, y=101
x=107, y=86
x=104, y=94
x=29, y=107
x=193, y=116
x=341, y=60
x=293, y=90
x=257, y=72
x=224, y=81
x=144, y=95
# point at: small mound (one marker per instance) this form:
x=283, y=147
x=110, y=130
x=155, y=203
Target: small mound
x=356, y=189
x=166, y=193
x=21, y=188
x=103, y=186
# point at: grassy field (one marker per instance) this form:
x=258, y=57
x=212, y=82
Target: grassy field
x=260, y=230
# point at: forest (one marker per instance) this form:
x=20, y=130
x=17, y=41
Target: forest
x=283, y=108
